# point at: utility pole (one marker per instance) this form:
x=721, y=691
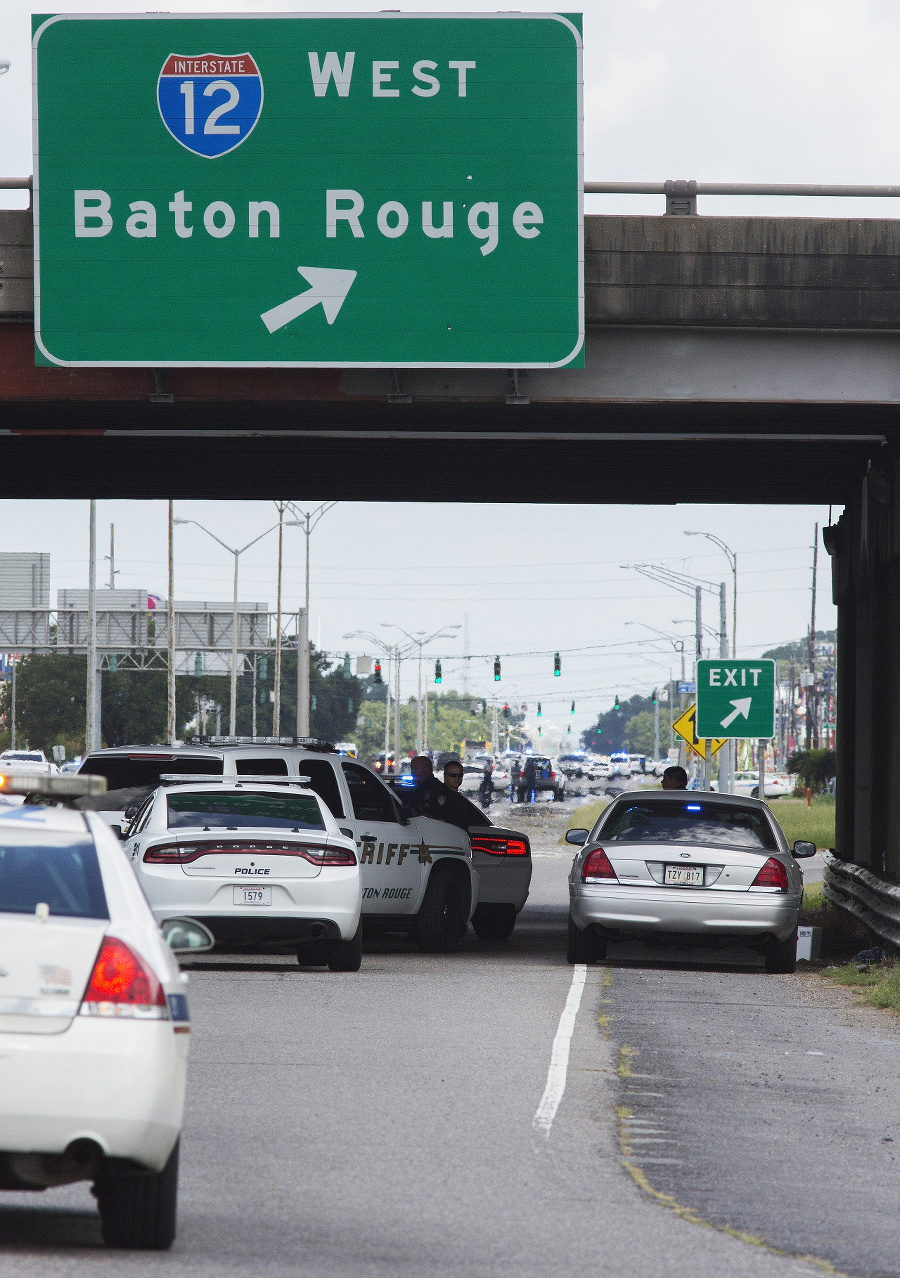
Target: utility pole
x=397, y=708
x=698, y=619
x=276, y=709
x=170, y=637
x=91, y=724
x=112, y=556
x=302, y=672
x=12, y=701
x=387, y=710
x=656, y=725
x=812, y=731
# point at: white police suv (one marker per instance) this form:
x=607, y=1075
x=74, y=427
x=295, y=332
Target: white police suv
x=93, y=1021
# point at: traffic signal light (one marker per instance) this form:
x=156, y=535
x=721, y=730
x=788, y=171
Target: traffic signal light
x=506, y=712
x=348, y=674
x=557, y=665
x=496, y=670
x=654, y=696
x=539, y=710
x=198, y=665
x=263, y=667
x=572, y=711
x=616, y=706
x=437, y=671
x=378, y=678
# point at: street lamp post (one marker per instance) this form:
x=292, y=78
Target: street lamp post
x=307, y=520
x=678, y=645
x=726, y=783
x=234, y=617
x=395, y=652
x=420, y=643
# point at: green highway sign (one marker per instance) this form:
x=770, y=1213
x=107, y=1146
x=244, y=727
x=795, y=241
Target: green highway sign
x=378, y=190
x=735, y=698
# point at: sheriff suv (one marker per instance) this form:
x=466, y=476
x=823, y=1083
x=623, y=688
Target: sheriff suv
x=419, y=876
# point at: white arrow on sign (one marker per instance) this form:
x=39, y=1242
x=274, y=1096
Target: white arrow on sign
x=328, y=286
x=741, y=706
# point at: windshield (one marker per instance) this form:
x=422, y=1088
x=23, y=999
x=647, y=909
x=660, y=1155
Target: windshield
x=686, y=821
x=23, y=756
x=236, y=811
x=57, y=870
x=122, y=771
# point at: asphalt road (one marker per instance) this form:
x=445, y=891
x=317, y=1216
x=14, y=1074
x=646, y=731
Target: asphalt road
x=381, y=1123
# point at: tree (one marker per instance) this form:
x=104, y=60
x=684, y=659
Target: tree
x=611, y=730
x=814, y=767
x=639, y=732
x=450, y=720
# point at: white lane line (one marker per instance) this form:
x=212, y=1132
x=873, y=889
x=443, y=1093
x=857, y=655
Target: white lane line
x=559, y=1056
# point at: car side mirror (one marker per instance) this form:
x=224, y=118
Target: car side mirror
x=803, y=848
x=117, y=831
x=346, y=831
x=131, y=812
x=187, y=936
x=577, y=836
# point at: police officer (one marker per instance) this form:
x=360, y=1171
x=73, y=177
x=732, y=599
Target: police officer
x=432, y=798
x=529, y=775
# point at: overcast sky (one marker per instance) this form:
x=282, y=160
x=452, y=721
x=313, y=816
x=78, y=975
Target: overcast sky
x=780, y=91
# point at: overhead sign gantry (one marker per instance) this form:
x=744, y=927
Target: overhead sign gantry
x=372, y=190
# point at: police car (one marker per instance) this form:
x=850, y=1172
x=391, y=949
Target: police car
x=260, y=865
x=93, y=1020
x=419, y=875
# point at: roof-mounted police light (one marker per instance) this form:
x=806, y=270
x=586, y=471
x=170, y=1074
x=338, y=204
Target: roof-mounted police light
x=305, y=743
x=68, y=786
x=197, y=778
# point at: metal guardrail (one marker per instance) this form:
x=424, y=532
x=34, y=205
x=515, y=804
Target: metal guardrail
x=681, y=193
x=857, y=890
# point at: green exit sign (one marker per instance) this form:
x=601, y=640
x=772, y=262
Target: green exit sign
x=736, y=698
x=385, y=190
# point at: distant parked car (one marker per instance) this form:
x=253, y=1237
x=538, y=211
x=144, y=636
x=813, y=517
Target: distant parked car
x=26, y=761
x=776, y=785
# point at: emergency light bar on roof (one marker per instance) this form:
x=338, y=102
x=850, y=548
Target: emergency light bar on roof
x=305, y=743
x=193, y=778
x=61, y=787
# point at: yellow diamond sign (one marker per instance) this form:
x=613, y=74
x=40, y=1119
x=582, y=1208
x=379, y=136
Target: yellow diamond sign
x=686, y=727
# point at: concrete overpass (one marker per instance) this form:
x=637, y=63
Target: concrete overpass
x=729, y=359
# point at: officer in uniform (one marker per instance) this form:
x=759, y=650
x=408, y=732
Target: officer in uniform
x=432, y=798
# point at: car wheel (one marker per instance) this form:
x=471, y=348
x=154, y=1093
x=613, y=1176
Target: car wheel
x=345, y=956
x=138, y=1209
x=494, y=922
x=441, y=922
x=586, y=945
x=781, y=956
x=754, y=793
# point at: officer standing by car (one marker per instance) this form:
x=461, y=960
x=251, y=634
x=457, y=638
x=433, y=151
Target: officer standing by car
x=529, y=776
x=515, y=773
x=432, y=798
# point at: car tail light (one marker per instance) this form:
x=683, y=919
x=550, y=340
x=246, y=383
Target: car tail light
x=497, y=845
x=597, y=866
x=552, y=775
x=185, y=853
x=163, y=854
x=122, y=984
x=772, y=875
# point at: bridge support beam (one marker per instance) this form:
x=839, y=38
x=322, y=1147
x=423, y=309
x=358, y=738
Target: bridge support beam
x=865, y=550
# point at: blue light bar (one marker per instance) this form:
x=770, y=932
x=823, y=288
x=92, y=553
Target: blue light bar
x=694, y=807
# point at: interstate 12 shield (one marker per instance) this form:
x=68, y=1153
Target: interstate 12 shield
x=210, y=102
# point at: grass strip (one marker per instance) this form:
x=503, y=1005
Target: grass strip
x=881, y=981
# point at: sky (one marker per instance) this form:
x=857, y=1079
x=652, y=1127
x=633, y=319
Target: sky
x=777, y=91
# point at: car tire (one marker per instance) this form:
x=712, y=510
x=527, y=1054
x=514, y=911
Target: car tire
x=138, y=1210
x=584, y=945
x=494, y=922
x=754, y=793
x=345, y=956
x=559, y=796
x=442, y=918
x=781, y=956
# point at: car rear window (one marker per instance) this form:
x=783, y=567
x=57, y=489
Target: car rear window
x=687, y=821
x=123, y=771
x=234, y=811
x=55, y=869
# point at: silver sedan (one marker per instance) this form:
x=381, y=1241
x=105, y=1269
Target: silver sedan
x=682, y=862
